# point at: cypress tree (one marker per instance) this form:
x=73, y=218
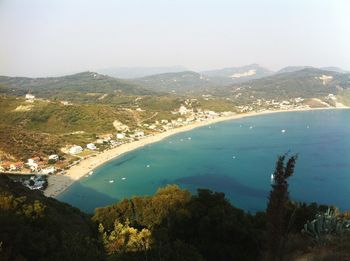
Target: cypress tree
x=277, y=220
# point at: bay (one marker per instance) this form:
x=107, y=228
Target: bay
x=236, y=157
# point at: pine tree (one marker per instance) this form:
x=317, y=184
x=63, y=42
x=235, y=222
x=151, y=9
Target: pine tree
x=277, y=220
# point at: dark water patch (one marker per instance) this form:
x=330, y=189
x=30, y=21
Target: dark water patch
x=86, y=199
x=222, y=183
x=121, y=162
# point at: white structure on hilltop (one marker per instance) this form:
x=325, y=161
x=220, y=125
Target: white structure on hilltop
x=29, y=96
x=75, y=150
x=91, y=146
x=325, y=78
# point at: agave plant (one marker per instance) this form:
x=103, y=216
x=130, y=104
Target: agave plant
x=326, y=225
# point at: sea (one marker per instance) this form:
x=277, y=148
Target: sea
x=236, y=157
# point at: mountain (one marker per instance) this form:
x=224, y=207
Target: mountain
x=66, y=86
x=293, y=69
x=334, y=69
x=180, y=82
x=306, y=83
x=239, y=74
x=138, y=72
x=299, y=68
x=33, y=227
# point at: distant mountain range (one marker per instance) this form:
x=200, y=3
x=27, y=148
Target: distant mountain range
x=298, y=68
x=137, y=72
x=296, y=80
x=308, y=82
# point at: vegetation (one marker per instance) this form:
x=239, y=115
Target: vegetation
x=277, y=216
x=170, y=225
x=33, y=227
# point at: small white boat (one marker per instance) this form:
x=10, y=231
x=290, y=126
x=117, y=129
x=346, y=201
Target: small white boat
x=90, y=173
x=111, y=181
x=272, y=178
x=189, y=138
x=123, y=178
x=233, y=157
x=251, y=127
x=283, y=131
x=147, y=166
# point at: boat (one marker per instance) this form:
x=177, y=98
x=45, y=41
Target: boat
x=272, y=178
x=90, y=173
x=283, y=131
x=233, y=157
x=111, y=181
x=147, y=166
x=123, y=178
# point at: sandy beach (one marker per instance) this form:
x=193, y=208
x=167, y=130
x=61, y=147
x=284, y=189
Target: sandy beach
x=59, y=183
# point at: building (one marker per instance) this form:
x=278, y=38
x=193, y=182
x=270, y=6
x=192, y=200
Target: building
x=182, y=110
x=91, y=146
x=75, y=150
x=16, y=166
x=120, y=136
x=6, y=165
x=48, y=170
x=54, y=157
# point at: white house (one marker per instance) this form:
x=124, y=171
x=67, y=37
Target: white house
x=120, y=136
x=182, y=110
x=53, y=157
x=91, y=146
x=75, y=149
x=33, y=166
x=48, y=170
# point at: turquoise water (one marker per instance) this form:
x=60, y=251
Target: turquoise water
x=235, y=157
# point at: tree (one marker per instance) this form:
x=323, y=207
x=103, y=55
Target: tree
x=277, y=209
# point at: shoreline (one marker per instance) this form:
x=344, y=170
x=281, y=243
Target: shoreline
x=59, y=183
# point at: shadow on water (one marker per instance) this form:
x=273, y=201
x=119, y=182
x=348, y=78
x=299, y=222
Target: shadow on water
x=85, y=198
x=226, y=184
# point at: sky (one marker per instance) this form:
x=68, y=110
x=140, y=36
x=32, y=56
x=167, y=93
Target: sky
x=56, y=37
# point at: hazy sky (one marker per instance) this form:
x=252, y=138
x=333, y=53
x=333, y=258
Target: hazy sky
x=52, y=37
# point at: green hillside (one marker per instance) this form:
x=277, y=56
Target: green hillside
x=33, y=227
x=180, y=82
x=66, y=87
x=306, y=83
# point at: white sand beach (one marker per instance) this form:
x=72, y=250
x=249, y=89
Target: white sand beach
x=59, y=183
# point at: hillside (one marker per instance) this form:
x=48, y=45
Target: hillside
x=180, y=82
x=138, y=72
x=239, y=74
x=306, y=83
x=33, y=227
x=66, y=87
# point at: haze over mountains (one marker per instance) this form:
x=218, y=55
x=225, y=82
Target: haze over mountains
x=136, y=72
x=291, y=80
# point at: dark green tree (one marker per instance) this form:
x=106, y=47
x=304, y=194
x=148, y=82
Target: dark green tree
x=277, y=210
